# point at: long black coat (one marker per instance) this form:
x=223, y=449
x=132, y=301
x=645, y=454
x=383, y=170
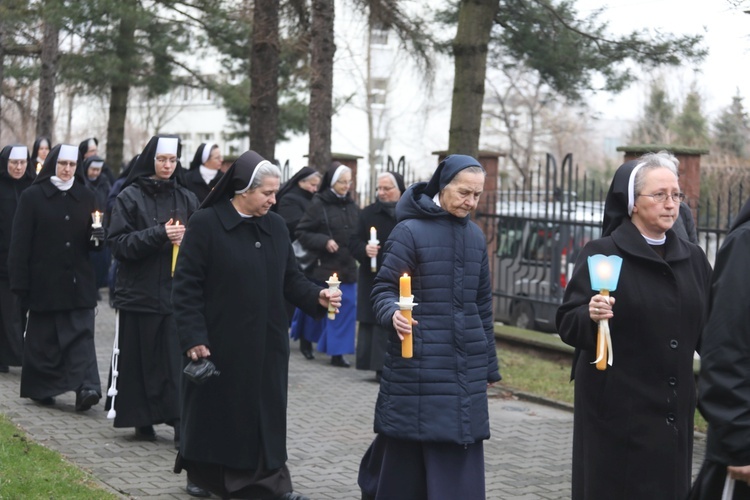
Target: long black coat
x=314, y=233
x=376, y=216
x=48, y=259
x=140, y=243
x=229, y=288
x=10, y=192
x=633, y=423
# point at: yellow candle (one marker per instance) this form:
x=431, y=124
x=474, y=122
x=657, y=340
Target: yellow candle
x=405, y=285
x=175, y=251
x=407, y=347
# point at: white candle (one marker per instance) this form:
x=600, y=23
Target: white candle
x=373, y=241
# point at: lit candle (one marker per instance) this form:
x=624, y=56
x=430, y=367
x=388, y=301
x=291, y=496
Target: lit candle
x=175, y=250
x=333, y=285
x=406, y=303
x=96, y=217
x=604, y=273
x=39, y=166
x=373, y=241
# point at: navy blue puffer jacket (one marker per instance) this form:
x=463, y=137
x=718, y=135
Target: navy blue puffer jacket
x=439, y=395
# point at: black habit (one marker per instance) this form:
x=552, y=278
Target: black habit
x=149, y=363
x=11, y=312
x=50, y=270
x=633, y=422
x=231, y=280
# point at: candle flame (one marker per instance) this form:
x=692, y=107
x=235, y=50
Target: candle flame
x=406, y=275
x=335, y=277
x=372, y=228
x=604, y=270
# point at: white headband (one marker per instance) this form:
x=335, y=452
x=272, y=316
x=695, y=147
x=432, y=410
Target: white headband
x=631, y=188
x=206, y=152
x=68, y=153
x=18, y=153
x=167, y=146
x=257, y=167
x=96, y=164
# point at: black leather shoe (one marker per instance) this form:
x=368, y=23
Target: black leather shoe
x=85, y=399
x=145, y=433
x=44, y=401
x=307, y=354
x=292, y=496
x=340, y=361
x=196, y=491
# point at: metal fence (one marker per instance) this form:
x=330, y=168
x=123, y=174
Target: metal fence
x=536, y=231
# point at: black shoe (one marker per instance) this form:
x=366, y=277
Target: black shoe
x=292, y=496
x=6, y=369
x=340, y=361
x=44, y=401
x=307, y=353
x=145, y=433
x=196, y=491
x=85, y=399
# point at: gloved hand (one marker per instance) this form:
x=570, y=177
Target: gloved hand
x=97, y=233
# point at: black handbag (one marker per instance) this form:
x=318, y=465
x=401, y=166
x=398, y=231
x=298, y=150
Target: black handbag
x=201, y=370
x=305, y=258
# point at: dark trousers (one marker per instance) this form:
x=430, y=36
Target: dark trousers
x=396, y=469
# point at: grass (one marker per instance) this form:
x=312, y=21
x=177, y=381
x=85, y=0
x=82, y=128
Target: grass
x=29, y=470
x=546, y=375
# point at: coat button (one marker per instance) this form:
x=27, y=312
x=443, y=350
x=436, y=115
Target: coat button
x=671, y=418
x=67, y=244
x=257, y=244
x=67, y=217
x=64, y=193
x=673, y=344
x=673, y=381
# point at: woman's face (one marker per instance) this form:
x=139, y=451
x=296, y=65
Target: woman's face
x=461, y=195
x=310, y=184
x=65, y=169
x=341, y=186
x=94, y=173
x=214, y=159
x=387, y=191
x=653, y=218
x=43, y=151
x=16, y=168
x=164, y=166
x=257, y=202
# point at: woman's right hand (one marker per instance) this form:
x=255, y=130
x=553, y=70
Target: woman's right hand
x=332, y=246
x=600, y=307
x=197, y=352
x=402, y=325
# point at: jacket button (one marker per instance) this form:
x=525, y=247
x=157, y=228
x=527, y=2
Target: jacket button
x=257, y=244
x=67, y=217
x=673, y=344
x=673, y=381
x=671, y=418
x=67, y=244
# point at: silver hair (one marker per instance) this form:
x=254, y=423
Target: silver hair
x=651, y=161
x=262, y=171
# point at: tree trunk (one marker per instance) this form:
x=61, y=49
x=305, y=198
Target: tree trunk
x=45, y=117
x=475, y=21
x=264, y=78
x=322, y=48
x=120, y=88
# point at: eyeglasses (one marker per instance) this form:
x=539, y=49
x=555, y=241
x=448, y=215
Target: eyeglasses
x=64, y=164
x=17, y=163
x=172, y=161
x=342, y=182
x=386, y=188
x=662, y=197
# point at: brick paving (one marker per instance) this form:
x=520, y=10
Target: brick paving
x=330, y=427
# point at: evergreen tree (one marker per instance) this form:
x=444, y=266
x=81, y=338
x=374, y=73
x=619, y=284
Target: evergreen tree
x=691, y=125
x=732, y=130
x=655, y=126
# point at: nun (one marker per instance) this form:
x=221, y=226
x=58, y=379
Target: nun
x=15, y=177
x=633, y=421
x=147, y=225
x=90, y=147
x=39, y=153
x=51, y=273
x=100, y=186
x=235, y=270
x=204, y=172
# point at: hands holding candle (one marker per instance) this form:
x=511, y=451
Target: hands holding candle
x=333, y=287
x=604, y=273
x=97, y=232
x=372, y=249
x=175, y=232
x=402, y=319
